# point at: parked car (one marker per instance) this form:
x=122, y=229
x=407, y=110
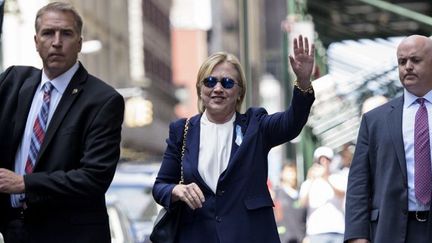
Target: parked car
x=132, y=189
x=121, y=227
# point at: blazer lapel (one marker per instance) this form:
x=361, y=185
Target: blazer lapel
x=240, y=122
x=25, y=99
x=71, y=93
x=192, y=149
x=395, y=127
x=192, y=141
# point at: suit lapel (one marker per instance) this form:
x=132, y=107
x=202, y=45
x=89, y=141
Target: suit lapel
x=25, y=99
x=235, y=151
x=192, y=141
x=192, y=148
x=71, y=93
x=395, y=127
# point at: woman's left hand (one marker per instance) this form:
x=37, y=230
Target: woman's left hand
x=303, y=61
x=191, y=194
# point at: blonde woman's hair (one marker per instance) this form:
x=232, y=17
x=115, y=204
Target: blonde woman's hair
x=207, y=68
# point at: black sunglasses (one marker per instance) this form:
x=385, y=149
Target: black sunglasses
x=227, y=83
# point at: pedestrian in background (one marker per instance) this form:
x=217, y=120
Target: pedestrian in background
x=60, y=133
x=290, y=214
x=323, y=195
x=225, y=162
x=389, y=185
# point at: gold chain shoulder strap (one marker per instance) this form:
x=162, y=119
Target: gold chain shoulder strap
x=186, y=128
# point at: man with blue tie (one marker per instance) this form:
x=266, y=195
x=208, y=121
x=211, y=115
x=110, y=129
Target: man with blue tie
x=389, y=186
x=60, y=131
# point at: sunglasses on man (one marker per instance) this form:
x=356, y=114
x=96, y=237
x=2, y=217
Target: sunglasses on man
x=227, y=83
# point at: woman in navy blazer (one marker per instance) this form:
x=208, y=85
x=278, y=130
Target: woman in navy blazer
x=225, y=195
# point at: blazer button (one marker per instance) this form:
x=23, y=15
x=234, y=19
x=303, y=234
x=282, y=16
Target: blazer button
x=220, y=192
x=218, y=219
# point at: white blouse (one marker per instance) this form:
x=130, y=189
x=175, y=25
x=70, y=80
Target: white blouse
x=214, y=149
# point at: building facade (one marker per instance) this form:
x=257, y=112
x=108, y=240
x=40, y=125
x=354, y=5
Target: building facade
x=134, y=56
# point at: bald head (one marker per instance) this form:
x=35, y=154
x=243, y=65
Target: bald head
x=422, y=42
x=414, y=55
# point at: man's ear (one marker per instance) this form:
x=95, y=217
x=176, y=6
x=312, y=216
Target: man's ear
x=80, y=43
x=36, y=42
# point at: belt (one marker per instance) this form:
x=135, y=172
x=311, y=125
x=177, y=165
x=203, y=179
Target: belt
x=17, y=213
x=420, y=216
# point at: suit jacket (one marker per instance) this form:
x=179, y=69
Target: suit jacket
x=377, y=195
x=76, y=162
x=241, y=209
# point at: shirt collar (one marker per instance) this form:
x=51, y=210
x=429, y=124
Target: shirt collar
x=410, y=99
x=206, y=121
x=61, y=82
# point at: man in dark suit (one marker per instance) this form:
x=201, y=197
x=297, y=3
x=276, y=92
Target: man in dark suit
x=60, y=131
x=388, y=197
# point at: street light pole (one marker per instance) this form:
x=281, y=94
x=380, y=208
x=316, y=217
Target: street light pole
x=294, y=149
x=244, y=50
x=287, y=79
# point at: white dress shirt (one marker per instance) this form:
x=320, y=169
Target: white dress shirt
x=214, y=149
x=408, y=119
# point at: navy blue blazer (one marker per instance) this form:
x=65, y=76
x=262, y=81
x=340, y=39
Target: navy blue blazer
x=241, y=209
x=377, y=194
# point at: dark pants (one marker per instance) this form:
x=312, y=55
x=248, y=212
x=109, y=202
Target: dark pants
x=15, y=232
x=416, y=231
x=14, y=229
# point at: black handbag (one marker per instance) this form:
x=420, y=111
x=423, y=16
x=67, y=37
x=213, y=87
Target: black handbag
x=167, y=222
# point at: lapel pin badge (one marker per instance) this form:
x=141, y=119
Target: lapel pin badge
x=239, y=135
x=74, y=91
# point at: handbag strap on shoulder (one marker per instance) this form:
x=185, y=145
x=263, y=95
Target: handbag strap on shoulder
x=186, y=128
